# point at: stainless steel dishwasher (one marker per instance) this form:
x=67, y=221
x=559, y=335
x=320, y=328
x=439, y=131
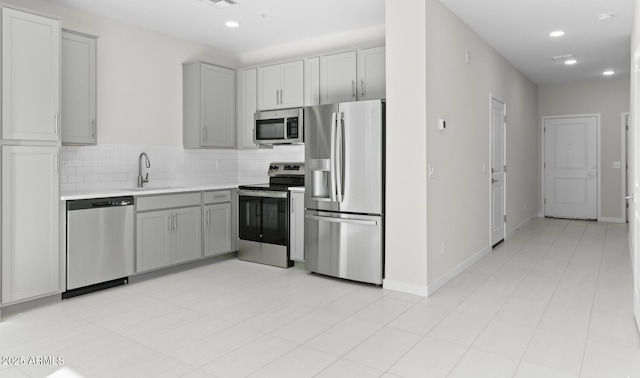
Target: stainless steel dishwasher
x=100, y=244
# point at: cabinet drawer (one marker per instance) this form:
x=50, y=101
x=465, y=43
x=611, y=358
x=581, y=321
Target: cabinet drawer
x=168, y=201
x=217, y=196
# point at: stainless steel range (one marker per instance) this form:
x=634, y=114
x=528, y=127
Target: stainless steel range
x=263, y=228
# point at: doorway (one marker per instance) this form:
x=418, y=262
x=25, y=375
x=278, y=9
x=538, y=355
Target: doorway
x=498, y=170
x=571, y=166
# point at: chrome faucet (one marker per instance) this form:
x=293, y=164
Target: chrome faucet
x=142, y=180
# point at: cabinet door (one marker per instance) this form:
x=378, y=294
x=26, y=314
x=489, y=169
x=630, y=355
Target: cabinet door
x=371, y=74
x=78, y=100
x=312, y=81
x=30, y=234
x=30, y=76
x=292, y=84
x=296, y=231
x=269, y=87
x=218, y=106
x=187, y=234
x=248, y=106
x=338, y=78
x=217, y=234
x=153, y=240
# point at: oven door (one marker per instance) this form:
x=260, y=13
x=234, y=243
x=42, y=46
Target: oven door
x=263, y=216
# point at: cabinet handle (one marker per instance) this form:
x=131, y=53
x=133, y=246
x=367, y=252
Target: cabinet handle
x=362, y=87
x=353, y=88
x=56, y=122
x=175, y=222
x=93, y=128
x=169, y=222
x=277, y=96
x=293, y=205
x=208, y=217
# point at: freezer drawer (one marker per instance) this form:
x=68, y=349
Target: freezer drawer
x=344, y=245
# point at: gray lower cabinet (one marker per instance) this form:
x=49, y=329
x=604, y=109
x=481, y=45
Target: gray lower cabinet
x=296, y=226
x=30, y=259
x=78, y=96
x=167, y=237
x=218, y=223
x=217, y=234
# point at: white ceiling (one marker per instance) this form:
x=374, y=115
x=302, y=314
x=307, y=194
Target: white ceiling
x=263, y=23
x=518, y=29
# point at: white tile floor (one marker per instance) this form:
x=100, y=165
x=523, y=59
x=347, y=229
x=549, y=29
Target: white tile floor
x=552, y=301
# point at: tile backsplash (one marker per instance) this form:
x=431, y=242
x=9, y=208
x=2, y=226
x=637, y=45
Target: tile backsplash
x=115, y=166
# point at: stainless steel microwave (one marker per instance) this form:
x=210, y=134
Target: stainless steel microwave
x=284, y=126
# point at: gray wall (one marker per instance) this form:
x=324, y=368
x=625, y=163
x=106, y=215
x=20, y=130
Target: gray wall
x=457, y=208
x=609, y=98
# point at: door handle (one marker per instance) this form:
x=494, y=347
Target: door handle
x=363, y=222
x=631, y=197
x=493, y=181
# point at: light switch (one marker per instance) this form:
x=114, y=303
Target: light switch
x=616, y=164
x=442, y=124
x=432, y=172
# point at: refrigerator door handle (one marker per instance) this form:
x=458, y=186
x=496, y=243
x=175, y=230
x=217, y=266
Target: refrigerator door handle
x=363, y=222
x=340, y=145
x=332, y=163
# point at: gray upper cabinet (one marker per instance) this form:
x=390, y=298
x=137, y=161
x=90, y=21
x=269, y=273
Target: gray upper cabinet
x=353, y=76
x=372, y=73
x=30, y=76
x=209, y=106
x=338, y=78
x=247, y=98
x=281, y=86
x=79, y=123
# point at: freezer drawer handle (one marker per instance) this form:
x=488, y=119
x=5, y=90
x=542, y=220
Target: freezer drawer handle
x=363, y=222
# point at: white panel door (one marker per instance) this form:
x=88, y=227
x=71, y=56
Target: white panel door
x=30, y=233
x=498, y=174
x=571, y=167
x=30, y=76
x=634, y=228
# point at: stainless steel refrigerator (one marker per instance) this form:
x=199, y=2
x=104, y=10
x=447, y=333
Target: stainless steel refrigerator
x=344, y=190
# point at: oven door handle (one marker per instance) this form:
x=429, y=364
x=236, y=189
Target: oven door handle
x=262, y=193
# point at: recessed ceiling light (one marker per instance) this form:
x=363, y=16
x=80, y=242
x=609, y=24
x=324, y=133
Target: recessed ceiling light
x=605, y=17
x=557, y=33
x=608, y=72
x=570, y=61
x=232, y=24
x=219, y=3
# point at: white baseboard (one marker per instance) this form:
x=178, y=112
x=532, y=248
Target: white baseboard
x=453, y=273
x=612, y=220
x=405, y=287
x=521, y=225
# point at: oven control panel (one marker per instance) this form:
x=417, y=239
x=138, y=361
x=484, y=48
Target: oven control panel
x=276, y=169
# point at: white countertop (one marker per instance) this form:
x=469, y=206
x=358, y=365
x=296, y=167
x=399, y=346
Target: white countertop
x=150, y=190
